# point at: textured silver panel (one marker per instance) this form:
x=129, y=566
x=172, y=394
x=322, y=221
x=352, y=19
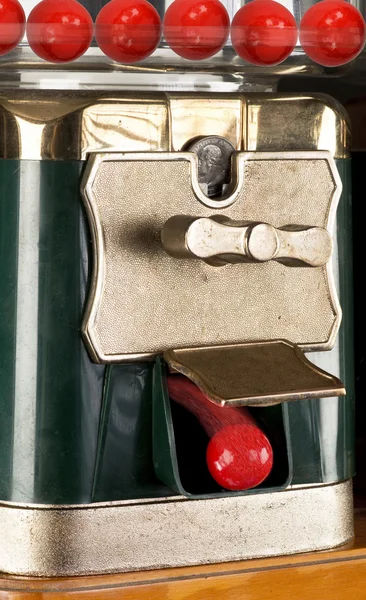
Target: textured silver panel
x=55, y=541
x=145, y=301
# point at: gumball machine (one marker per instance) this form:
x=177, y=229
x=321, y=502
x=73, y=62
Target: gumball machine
x=176, y=307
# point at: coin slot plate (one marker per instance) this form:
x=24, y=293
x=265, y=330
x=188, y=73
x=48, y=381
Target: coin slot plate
x=143, y=302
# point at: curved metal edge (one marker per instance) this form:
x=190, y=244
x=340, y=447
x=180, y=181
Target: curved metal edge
x=329, y=268
x=81, y=540
x=98, y=268
x=239, y=160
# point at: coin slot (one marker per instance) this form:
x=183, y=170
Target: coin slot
x=214, y=155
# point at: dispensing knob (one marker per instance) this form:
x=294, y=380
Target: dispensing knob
x=219, y=240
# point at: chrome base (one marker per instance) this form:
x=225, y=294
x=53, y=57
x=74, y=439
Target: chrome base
x=47, y=541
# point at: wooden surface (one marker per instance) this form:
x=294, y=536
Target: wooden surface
x=337, y=575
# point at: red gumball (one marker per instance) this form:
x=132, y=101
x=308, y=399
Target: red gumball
x=332, y=33
x=59, y=30
x=128, y=30
x=264, y=32
x=196, y=29
x=239, y=455
x=12, y=25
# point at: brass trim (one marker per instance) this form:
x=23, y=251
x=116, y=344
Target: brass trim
x=304, y=121
x=229, y=374
x=55, y=541
x=68, y=124
x=98, y=288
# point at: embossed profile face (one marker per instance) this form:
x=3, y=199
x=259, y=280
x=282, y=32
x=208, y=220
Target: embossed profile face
x=212, y=165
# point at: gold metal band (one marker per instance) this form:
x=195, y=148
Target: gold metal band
x=63, y=125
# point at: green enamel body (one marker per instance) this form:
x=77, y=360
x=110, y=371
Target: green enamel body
x=75, y=432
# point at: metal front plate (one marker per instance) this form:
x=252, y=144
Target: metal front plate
x=80, y=540
x=144, y=302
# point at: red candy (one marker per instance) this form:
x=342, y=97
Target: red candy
x=12, y=25
x=264, y=32
x=332, y=33
x=128, y=30
x=239, y=455
x=196, y=29
x=59, y=30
